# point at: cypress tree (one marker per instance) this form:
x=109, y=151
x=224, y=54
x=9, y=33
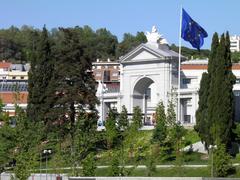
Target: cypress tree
x=123, y=121
x=206, y=103
x=40, y=75
x=160, y=132
x=202, y=123
x=224, y=84
x=111, y=129
x=215, y=113
x=212, y=91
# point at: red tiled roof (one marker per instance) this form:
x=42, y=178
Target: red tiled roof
x=5, y=65
x=11, y=98
x=203, y=67
x=194, y=66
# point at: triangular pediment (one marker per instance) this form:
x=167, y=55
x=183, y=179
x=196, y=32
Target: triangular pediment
x=142, y=53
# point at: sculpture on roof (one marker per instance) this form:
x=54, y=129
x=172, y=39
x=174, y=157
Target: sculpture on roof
x=155, y=37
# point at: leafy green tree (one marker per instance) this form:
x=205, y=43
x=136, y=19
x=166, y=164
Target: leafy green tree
x=24, y=163
x=130, y=42
x=28, y=135
x=7, y=143
x=235, y=57
x=160, y=131
x=111, y=128
x=236, y=131
x=137, y=117
x=192, y=53
x=17, y=43
x=89, y=165
x=85, y=141
x=40, y=75
x=123, y=121
x=106, y=44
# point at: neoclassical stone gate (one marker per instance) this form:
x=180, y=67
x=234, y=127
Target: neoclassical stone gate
x=148, y=73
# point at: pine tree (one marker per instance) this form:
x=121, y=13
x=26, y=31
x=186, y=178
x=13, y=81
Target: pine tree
x=73, y=85
x=171, y=115
x=40, y=75
x=137, y=117
x=160, y=131
x=123, y=121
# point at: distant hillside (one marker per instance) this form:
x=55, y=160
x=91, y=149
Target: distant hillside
x=192, y=53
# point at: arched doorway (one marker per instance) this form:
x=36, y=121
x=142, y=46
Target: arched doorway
x=142, y=95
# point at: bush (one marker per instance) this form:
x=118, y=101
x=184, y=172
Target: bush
x=222, y=162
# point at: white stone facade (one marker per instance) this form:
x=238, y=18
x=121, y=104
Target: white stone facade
x=235, y=43
x=149, y=73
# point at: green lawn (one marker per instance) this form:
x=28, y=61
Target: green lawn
x=142, y=141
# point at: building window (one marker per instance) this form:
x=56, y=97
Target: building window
x=115, y=74
x=14, y=77
x=187, y=118
x=238, y=81
x=236, y=93
x=98, y=74
x=22, y=77
x=106, y=76
x=186, y=81
x=148, y=93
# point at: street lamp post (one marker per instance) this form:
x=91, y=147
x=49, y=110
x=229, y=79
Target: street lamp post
x=47, y=151
x=40, y=165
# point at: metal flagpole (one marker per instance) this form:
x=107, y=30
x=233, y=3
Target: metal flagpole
x=179, y=65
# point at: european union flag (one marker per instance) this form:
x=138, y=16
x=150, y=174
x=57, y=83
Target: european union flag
x=192, y=31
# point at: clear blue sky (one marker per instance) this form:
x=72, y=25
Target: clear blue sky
x=120, y=16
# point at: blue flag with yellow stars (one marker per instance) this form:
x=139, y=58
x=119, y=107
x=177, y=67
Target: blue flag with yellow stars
x=192, y=31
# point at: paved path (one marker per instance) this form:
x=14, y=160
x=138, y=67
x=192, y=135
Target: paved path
x=144, y=166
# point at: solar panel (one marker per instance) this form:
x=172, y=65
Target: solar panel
x=13, y=86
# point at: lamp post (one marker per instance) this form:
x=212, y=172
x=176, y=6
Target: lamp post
x=47, y=151
x=40, y=165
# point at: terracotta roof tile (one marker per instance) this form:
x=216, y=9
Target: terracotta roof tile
x=10, y=97
x=5, y=64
